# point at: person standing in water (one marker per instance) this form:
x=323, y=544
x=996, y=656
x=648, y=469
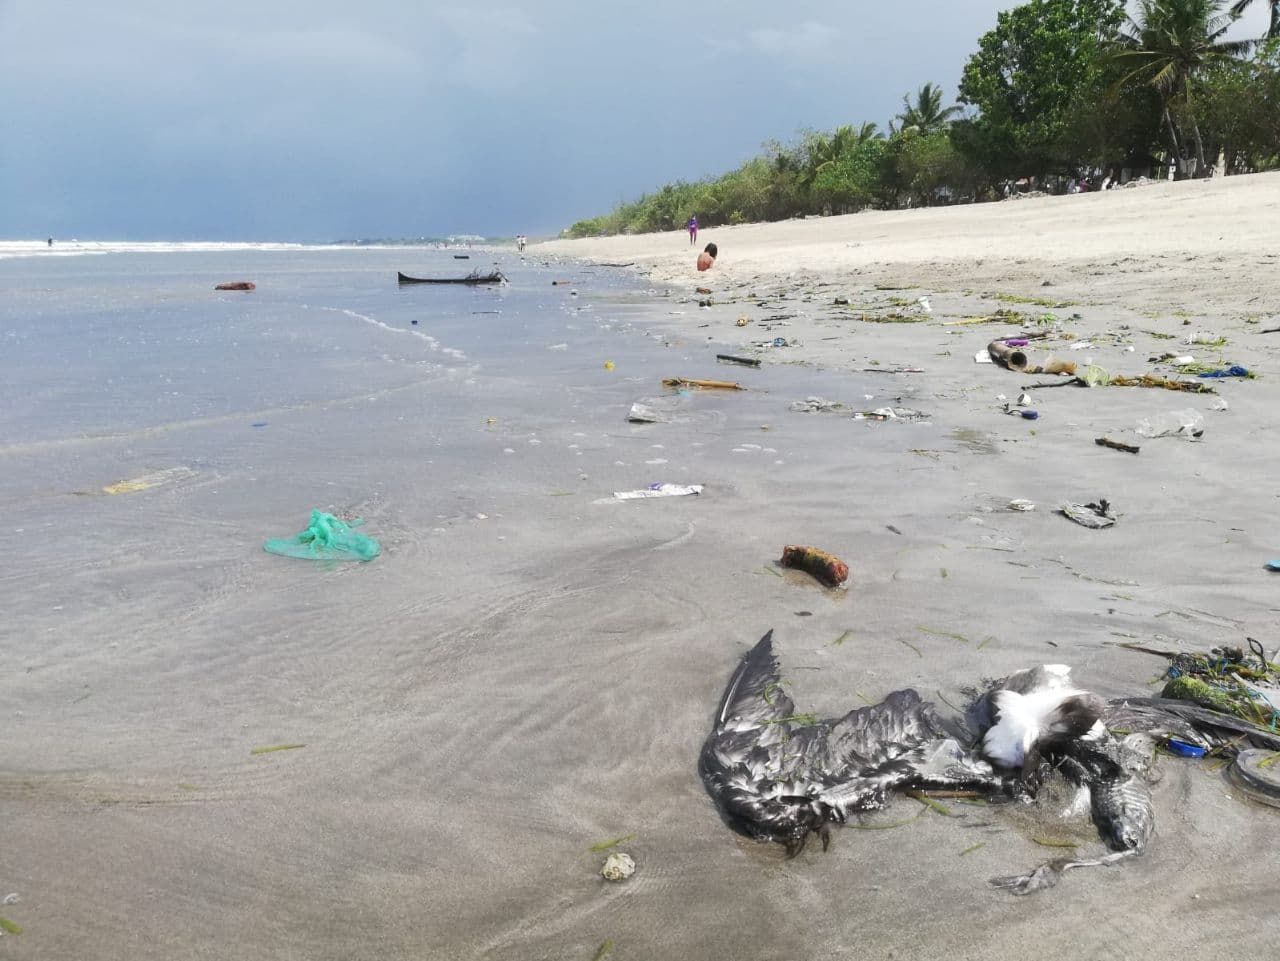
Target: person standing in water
x=693, y=230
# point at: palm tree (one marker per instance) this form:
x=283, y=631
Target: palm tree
x=926, y=114
x=1166, y=43
x=1240, y=6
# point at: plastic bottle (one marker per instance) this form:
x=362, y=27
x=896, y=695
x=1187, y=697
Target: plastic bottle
x=1178, y=423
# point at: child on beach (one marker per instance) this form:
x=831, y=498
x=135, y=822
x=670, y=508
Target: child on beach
x=693, y=230
x=707, y=257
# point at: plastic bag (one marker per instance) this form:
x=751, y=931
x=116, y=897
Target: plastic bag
x=326, y=538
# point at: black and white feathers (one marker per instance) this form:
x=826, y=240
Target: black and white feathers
x=1033, y=712
x=780, y=776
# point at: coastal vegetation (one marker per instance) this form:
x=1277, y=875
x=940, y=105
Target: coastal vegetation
x=1058, y=91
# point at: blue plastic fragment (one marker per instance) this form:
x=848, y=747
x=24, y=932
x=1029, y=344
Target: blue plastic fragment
x=1183, y=749
x=1273, y=565
x=1030, y=414
x=1235, y=370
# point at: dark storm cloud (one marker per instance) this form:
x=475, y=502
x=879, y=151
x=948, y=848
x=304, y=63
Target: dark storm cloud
x=276, y=119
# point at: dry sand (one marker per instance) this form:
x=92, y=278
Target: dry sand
x=480, y=708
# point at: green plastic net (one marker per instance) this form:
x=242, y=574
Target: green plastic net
x=327, y=538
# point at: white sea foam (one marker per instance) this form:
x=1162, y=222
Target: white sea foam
x=434, y=345
x=75, y=248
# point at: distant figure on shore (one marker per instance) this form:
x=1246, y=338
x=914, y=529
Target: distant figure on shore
x=520, y=241
x=693, y=230
x=50, y=241
x=708, y=257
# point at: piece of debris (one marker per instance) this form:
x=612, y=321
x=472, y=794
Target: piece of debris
x=1095, y=516
x=744, y=361
x=659, y=490
x=1178, y=423
x=1021, y=504
x=890, y=413
x=703, y=290
x=326, y=538
x=1116, y=445
x=814, y=404
x=743, y=320
x=701, y=384
x=640, y=414
x=237, y=285
x=618, y=867
x=826, y=567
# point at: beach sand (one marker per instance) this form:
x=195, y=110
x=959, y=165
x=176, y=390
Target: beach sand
x=482, y=706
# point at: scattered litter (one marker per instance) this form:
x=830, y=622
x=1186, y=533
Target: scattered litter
x=640, y=414
x=326, y=538
x=608, y=365
x=1220, y=404
x=13, y=898
x=237, y=285
x=659, y=490
x=897, y=370
x=1021, y=504
x=1095, y=516
x=148, y=481
x=1025, y=414
x=1116, y=445
x=744, y=361
x=983, y=357
x=1183, y=361
x=1178, y=423
x=1257, y=773
x=826, y=567
x=1235, y=370
x=1273, y=565
x=813, y=404
x=1183, y=749
x=701, y=384
x=618, y=867
x=890, y=413
x=1006, y=356
x=1095, y=376
x=743, y=320
x=1080, y=345
x=924, y=304
x=1228, y=680
x=1024, y=399
x=702, y=290
x=842, y=301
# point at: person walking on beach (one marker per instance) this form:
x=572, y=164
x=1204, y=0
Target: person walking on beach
x=693, y=230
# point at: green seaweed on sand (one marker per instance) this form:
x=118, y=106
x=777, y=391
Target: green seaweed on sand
x=605, y=947
x=804, y=720
x=919, y=653
x=1036, y=301
x=932, y=805
x=951, y=634
x=842, y=638
x=10, y=927
x=894, y=318
x=270, y=748
x=605, y=845
x=890, y=825
x=1055, y=843
x=973, y=847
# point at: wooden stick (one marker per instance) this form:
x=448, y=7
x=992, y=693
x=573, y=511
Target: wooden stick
x=1116, y=445
x=704, y=384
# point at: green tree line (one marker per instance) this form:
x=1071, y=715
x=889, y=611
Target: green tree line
x=1057, y=89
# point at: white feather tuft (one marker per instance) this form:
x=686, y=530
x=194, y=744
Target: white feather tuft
x=1020, y=720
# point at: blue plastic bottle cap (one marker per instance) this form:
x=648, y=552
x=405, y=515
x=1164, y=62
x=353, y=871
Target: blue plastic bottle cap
x=1030, y=415
x=1183, y=749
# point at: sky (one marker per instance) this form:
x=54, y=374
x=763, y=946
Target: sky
x=319, y=120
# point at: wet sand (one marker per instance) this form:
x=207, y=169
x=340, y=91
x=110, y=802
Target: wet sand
x=496, y=694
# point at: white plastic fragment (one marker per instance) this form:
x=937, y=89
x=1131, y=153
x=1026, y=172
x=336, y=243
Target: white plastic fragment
x=658, y=490
x=1021, y=504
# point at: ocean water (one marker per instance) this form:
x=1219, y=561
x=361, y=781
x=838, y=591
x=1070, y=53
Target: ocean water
x=527, y=669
